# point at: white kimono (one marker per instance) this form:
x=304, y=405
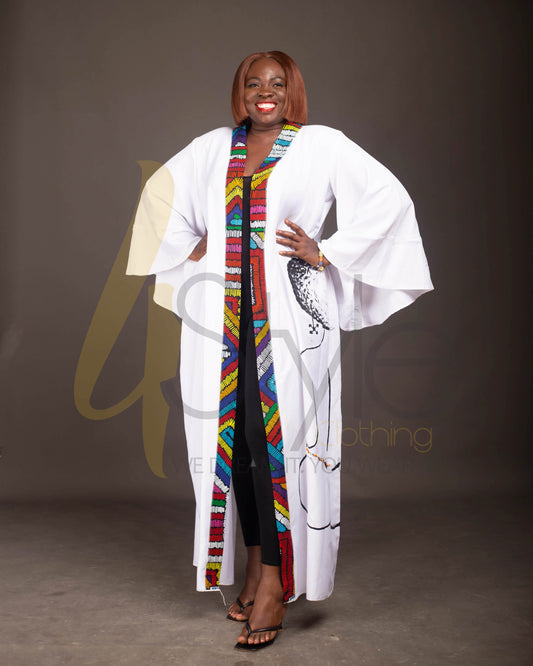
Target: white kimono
x=377, y=266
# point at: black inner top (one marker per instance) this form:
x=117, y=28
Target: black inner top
x=246, y=290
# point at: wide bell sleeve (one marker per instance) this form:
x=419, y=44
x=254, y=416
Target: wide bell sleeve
x=167, y=227
x=378, y=260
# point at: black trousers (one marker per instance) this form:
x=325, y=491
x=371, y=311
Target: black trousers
x=250, y=474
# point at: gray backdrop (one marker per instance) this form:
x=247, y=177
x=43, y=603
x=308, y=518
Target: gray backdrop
x=434, y=89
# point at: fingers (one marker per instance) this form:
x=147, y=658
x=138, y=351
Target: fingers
x=286, y=234
x=283, y=241
x=299, y=243
x=297, y=230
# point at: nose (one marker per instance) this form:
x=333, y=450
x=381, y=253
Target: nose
x=264, y=92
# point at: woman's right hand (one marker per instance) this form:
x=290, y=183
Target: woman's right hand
x=199, y=250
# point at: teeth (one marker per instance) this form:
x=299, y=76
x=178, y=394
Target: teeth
x=266, y=106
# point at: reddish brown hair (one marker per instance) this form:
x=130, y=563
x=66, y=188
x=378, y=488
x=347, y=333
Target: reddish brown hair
x=296, y=97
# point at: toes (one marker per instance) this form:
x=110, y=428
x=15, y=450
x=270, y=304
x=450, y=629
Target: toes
x=236, y=613
x=263, y=637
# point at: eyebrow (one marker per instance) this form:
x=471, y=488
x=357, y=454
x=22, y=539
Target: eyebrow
x=248, y=78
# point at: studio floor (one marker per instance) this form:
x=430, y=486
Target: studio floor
x=426, y=582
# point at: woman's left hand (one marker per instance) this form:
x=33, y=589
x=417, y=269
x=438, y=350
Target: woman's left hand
x=301, y=244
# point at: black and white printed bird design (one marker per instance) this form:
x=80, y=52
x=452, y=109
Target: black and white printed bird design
x=303, y=279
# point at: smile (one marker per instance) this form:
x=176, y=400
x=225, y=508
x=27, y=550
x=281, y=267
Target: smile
x=266, y=106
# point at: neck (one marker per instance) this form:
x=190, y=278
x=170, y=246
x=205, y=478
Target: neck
x=266, y=131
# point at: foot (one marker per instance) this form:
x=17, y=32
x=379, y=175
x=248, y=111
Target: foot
x=248, y=592
x=268, y=609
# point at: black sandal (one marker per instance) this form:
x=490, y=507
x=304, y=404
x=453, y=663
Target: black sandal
x=242, y=607
x=258, y=646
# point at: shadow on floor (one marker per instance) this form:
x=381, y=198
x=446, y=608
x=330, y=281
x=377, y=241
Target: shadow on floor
x=444, y=581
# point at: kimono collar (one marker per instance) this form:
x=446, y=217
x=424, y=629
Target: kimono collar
x=279, y=148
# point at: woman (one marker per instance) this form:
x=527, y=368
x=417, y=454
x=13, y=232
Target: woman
x=231, y=226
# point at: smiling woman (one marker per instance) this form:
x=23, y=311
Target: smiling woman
x=262, y=297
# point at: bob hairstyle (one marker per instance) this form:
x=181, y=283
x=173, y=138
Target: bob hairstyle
x=296, y=97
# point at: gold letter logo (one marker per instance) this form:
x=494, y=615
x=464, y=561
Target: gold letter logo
x=162, y=349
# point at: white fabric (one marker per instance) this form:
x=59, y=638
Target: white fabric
x=378, y=267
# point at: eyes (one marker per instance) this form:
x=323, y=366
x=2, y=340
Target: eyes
x=255, y=84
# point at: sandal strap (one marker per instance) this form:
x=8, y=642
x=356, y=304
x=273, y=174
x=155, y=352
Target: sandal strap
x=256, y=631
x=243, y=606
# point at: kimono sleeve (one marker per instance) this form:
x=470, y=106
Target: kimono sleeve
x=378, y=260
x=167, y=226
